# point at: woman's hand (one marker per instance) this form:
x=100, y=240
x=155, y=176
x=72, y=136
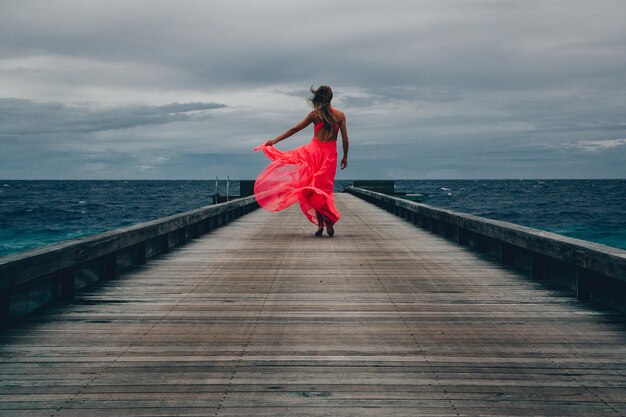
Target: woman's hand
x=270, y=142
x=344, y=162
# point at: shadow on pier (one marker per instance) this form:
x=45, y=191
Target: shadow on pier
x=261, y=318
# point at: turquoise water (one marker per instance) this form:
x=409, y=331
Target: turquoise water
x=37, y=213
x=593, y=210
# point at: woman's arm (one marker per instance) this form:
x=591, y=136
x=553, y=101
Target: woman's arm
x=345, y=143
x=292, y=131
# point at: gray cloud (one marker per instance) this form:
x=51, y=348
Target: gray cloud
x=482, y=44
x=452, y=88
x=25, y=117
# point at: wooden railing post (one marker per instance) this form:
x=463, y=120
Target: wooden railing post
x=5, y=308
x=110, y=266
x=66, y=284
x=164, y=243
x=584, y=284
x=462, y=236
x=140, y=253
x=537, y=266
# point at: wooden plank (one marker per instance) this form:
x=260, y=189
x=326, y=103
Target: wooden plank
x=261, y=318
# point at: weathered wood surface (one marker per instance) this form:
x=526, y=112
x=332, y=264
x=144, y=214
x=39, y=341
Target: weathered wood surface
x=595, y=272
x=33, y=279
x=260, y=318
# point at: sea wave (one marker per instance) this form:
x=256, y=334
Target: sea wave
x=36, y=213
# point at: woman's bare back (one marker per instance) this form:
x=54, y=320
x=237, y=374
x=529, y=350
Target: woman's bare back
x=323, y=134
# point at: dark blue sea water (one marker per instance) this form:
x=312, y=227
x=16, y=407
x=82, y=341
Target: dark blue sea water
x=37, y=213
x=593, y=210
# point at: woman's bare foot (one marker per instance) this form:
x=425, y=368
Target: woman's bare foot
x=330, y=229
x=320, y=223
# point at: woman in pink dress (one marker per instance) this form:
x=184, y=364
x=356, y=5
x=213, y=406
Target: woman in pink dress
x=306, y=174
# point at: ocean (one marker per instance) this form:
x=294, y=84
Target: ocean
x=37, y=213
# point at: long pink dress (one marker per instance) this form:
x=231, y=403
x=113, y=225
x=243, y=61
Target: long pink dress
x=305, y=174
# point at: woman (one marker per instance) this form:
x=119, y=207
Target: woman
x=307, y=174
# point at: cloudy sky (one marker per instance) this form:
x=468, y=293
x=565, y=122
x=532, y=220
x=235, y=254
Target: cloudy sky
x=432, y=89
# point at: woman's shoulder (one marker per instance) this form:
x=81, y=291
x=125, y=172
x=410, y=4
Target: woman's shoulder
x=340, y=116
x=338, y=112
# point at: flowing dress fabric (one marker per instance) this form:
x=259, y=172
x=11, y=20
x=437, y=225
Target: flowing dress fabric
x=305, y=174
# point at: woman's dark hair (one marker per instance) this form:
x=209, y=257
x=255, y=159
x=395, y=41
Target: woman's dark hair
x=320, y=101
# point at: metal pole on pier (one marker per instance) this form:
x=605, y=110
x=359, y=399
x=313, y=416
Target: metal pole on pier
x=216, y=192
x=227, y=186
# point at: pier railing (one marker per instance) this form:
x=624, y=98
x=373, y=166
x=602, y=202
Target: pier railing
x=593, y=271
x=32, y=279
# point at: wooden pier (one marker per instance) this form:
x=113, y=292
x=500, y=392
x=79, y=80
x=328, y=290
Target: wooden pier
x=261, y=318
